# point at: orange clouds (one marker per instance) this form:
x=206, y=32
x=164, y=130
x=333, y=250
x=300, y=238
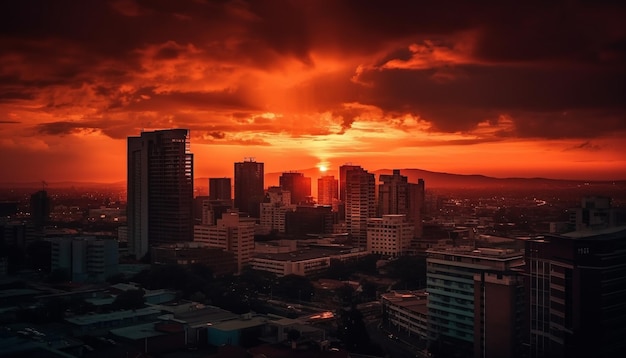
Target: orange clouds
x=453, y=88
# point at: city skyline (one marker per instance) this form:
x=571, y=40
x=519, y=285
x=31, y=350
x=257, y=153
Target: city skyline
x=524, y=90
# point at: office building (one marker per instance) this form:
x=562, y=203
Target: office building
x=327, y=190
x=475, y=301
x=220, y=262
x=397, y=196
x=274, y=208
x=576, y=295
x=390, y=235
x=249, y=187
x=310, y=220
x=595, y=212
x=406, y=312
x=232, y=233
x=40, y=208
x=343, y=175
x=360, y=203
x=298, y=185
x=220, y=189
x=85, y=259
x=160, y=189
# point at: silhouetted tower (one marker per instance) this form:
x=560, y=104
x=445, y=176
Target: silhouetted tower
x=397, y=196
x=327, y=190
x=160, y=189
x=40, y=208
x=249, y=187
x=297, y=184
x=219, y=189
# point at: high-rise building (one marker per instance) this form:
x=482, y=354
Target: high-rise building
x=160, y=189
x=327, y=190
x=274, y=208
x=595, y=212
x=576, y=295
x=310, y=220
x=219, y=189
x=40, y=208
x=397, y=196
x=249, y=187
x=343, y=175
x=360, y=203
x=390, y=235
x=298, y=185
x=475, y=301
x=232, y=233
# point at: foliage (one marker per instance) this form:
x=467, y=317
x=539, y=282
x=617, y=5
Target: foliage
x=352, y=331
x=128, y=300
x=409, y=270
x=295, y=287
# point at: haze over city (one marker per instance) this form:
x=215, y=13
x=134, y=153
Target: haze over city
x=524, y=90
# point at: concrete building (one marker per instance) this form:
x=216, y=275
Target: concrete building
x=274, y=208
x=40, y=208
x=397, y=196
x=232, y=233
x=406, y=311
x=360, y=203
x=298, y=185
x=455, y=308
x=160, y=189
x=327, y=190
x=595, y=212
x=390, y=235
x=221, y=262
x=575, y=288
x=303, y=262
x=249, y=187
x=86, y=259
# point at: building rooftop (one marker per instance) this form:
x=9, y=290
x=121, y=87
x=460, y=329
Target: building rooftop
x=204, y=316
x=303, y=254
x=112, y=316
x=137, y=332
x=238, y=324
x=605, y=233
x=480, y=252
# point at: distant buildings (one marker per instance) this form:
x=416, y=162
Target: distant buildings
x=397, y=196
x=220, y=261
x=595, y=212
x=390, y=235
x=220, y=189
x=85, y=259
x=160, y=189
x=232, y=233
x=327, y=190
x=298, y=185
x=274, y=208
x=310, y=220
x=249, y=187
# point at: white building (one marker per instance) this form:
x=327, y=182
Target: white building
x=232, y=233
x=390, y=235
x=85, y=258
x=406, y=311
x=303, y=262
x=272, y=216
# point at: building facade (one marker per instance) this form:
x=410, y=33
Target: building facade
x=360, y=203
x=85, y=259
x=397, y=196
x=232, y=233
x=220, y=189
x=327, y=190
x=249, y=186
x=454, y=307
x=298, y=185
x=576, y=295
x=160, y=189
x=390, y=235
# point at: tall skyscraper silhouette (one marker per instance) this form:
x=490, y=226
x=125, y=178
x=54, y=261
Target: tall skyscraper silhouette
x=249, y=187
x=360, y=203
x=327, y=189
x=40, y=208
x=160, y=189
x=297, y=184
x=343, y=173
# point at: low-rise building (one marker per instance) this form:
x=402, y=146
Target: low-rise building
x=406, y=311
x=303, y=262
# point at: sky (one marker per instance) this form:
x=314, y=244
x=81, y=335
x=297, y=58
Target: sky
x=530, y=89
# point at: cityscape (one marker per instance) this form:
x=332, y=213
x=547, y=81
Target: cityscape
x=328, y=178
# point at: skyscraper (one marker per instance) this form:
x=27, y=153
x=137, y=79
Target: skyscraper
x=40, y=208
x=297, y=184
x=219, y=189
x=327, y=189
x=343, y=174
x=360, y=203
x=397, y=196
x=249, y=187
x=160, y=189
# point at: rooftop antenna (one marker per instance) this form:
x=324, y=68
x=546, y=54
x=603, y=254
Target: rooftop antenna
x=43, y=185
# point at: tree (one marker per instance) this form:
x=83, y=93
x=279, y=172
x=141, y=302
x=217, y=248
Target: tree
x=352, y=330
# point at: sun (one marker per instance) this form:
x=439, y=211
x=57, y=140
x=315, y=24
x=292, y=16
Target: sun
x=323, y=168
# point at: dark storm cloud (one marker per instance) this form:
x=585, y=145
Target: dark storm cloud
x=533, y=60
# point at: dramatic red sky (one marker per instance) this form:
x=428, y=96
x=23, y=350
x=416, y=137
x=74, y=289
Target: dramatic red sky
x=534, y=89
